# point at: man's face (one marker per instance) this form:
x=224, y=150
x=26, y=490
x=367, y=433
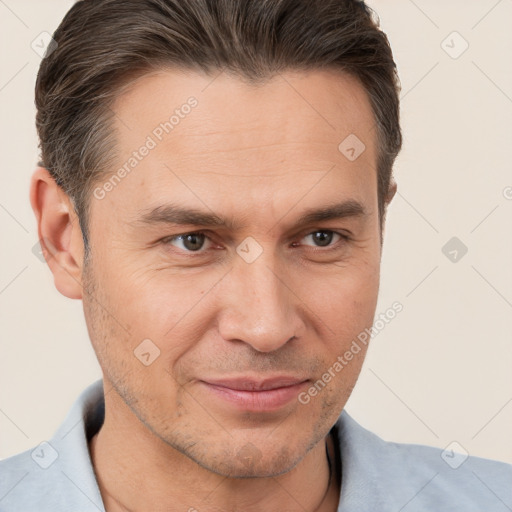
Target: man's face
x=264, y=295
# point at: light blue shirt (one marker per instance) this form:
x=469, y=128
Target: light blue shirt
x=377, y=476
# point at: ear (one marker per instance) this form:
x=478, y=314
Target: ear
x=391, y=191
x=389, y=196
x=59, y=233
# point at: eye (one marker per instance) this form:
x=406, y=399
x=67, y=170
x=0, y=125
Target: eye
x=192, y=242
x=324, y=237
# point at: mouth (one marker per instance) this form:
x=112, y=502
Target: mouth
x=255, y=395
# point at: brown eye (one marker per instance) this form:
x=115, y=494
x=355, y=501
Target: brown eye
x=191, y=242
x=323, y=238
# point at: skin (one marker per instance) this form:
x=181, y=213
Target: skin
x=259, y=156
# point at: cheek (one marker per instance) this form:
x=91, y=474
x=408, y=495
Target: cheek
x=344, y=301
x=150, y=300
x=164, y=307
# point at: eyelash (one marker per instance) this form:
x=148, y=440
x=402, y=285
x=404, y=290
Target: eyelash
x=344, y=239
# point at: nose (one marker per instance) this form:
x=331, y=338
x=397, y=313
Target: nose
x=259, y=307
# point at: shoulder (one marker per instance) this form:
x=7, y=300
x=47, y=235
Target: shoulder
x=35, y=480
x=56, y=474
x=418, y=477
x=27, y=475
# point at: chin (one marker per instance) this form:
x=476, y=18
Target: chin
x=246, y=459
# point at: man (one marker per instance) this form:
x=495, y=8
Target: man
x=213, y=187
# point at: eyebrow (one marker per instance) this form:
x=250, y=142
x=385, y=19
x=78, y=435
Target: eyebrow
x=178, y=215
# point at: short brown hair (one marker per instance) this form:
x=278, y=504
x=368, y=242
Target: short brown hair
x=101, y=43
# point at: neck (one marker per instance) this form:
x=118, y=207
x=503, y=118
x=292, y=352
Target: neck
x=137, y=471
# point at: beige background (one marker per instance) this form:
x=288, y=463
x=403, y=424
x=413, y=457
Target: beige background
x=441, y=370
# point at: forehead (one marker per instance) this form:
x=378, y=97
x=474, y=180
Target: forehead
x=220, y=138
x=311, y=106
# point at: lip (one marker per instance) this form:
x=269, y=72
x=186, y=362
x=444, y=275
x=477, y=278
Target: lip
x=256, y=394
x=247, y=384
